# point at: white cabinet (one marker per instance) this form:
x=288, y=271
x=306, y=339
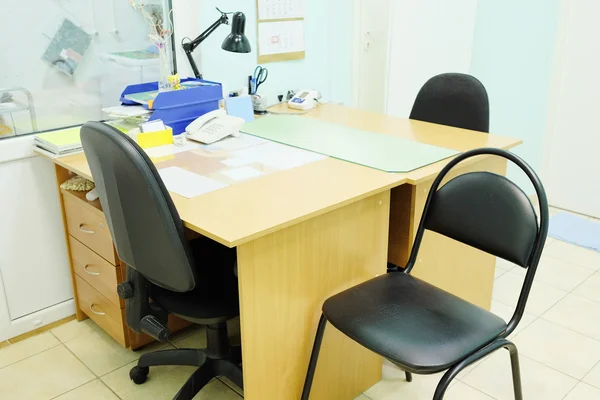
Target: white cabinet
x=35, y=284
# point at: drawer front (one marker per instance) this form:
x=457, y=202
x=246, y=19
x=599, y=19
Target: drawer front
x=105, y=313
x=89, y=228
x=95, y=270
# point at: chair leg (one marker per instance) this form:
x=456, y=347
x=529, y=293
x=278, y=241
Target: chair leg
x=312, y=366
x=497, y=344
x=516, y=370
x=408, y=376
x=196, y=382
x=236, y=354
x=231, y=370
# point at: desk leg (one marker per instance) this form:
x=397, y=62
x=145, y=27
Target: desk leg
x=284, y=279
x=452, y=266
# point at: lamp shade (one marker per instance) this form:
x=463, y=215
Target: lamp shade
x=236, y=41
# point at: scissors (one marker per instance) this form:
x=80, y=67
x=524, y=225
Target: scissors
x=260, y=76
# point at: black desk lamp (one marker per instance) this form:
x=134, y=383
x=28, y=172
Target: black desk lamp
x=235, y=42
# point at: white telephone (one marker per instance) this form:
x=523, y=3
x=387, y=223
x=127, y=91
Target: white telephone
x=213, y=126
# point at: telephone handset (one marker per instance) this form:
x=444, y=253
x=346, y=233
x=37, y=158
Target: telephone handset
x=213, y=126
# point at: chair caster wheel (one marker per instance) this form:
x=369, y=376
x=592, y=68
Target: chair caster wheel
x=139, y=374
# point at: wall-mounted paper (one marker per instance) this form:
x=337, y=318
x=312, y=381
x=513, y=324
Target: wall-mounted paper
x=188, y=184
x=278, y=9
x=280, y=37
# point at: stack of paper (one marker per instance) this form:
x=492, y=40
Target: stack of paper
x=61, y=142
x=126, y=111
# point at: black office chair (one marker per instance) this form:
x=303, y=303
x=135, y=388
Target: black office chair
x=423, y=329
x=193, y=280
x=453, y=99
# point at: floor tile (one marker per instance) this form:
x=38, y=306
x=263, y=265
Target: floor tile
x=503, y=264
x=578, y=314
x=583, y=391
x=232, y=385
x=593, y=377
x=102, y=354
x=460, y=391
x=163, y=383
x=506, y=312
x=95, y=390
x=542, y=297
x=195, y=340
x=494, y=377
x=74, y=329
x=560, y=348
x=590, y=289
x=393, y=385
x=559, y=273
x=421, y=388
x=575, y=254
x=27, y=348
x=43, y=376
x=499, y=271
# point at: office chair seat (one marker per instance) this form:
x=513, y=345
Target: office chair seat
x=417, y=326
x=207, y=303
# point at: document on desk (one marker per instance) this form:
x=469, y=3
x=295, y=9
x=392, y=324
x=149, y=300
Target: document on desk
x=242, y=141
x=278, y=156
x=170, y=149
x=188, y=184
x=243, y=173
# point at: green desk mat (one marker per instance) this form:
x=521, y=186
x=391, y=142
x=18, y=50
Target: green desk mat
x=379, y=151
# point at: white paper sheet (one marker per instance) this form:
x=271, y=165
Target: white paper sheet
x=241, y=141
x=243, y=173
x=169, y=149
x=279, y=156
x=237, y=161
x=277, y=9
x=280, y=37
x=188, y=184
x=127, y=111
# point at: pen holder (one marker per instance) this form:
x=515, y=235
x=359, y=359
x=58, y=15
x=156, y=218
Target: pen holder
x=154, y=139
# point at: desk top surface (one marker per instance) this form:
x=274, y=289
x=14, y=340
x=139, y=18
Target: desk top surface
x=251, y=209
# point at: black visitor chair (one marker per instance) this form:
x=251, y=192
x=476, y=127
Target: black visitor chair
x=423, y=329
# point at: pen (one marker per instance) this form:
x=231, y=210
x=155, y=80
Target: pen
x=249, y=84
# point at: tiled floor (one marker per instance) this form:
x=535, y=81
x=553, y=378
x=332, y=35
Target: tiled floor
x=558, y=339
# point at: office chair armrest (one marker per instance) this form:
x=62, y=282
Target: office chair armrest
x=142, y=316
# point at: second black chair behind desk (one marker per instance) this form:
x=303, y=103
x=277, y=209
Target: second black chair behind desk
x=453, y=99
x=193, y=280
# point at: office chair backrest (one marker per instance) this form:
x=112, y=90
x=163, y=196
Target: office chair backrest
x=491, y=213
x=453, y=99
x=145, y=226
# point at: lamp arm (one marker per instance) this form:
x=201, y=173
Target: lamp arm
x=189, y=47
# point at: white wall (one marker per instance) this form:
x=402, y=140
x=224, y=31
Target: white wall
x=328, y=62
x=513, y=55
x=428, y=37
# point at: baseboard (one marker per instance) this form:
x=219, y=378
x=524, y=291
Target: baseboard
x=40, y=321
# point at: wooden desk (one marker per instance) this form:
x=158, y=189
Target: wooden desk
x=309, y=232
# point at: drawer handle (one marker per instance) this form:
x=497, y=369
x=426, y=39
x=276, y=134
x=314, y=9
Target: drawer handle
x=96, y=312
x=90, y=272
x=88, y=231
